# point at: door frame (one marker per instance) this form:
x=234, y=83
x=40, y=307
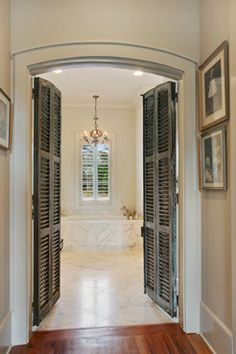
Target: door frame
x=27, y=63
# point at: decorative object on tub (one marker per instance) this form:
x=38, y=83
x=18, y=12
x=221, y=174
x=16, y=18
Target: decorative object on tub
x=96, y=136
x=213, y=159
x=5, y=121
x=131, y=214
x=214, y=88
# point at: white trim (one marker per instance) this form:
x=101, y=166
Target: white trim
x=129, y=56
x=215, y=332
x=76, y=43
x=207, y=343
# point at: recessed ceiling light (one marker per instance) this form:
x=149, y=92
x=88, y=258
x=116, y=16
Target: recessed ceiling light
x=138, y=73
x=57, y=71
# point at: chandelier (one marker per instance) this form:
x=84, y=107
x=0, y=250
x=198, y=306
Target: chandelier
x=96, y=136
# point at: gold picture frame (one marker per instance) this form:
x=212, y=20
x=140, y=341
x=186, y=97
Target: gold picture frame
x=5, y=121
x=214, y=88
x=213, y=159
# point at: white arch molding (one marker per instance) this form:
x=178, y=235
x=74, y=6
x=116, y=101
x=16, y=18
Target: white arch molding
x=152, y=60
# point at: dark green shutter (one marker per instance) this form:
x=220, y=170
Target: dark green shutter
x=47, y=165
x=160, y=196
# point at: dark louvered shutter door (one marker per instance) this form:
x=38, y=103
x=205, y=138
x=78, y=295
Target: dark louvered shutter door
x=47, y=141
x=149, y=192
x=166, y=198
x=160, y=261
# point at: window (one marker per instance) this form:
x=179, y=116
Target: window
x=95, y=172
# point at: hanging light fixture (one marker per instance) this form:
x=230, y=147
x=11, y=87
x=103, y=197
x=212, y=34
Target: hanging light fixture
x=96, y=136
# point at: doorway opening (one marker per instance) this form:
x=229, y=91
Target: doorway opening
x=102, y=255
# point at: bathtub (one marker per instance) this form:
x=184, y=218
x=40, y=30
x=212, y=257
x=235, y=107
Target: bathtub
x=93, y=232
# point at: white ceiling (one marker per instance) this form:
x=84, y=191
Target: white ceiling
x=114, y=86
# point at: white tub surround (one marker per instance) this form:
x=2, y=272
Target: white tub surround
x=92, y=234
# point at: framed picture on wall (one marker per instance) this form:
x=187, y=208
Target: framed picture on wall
x=214, y=88
x=213, y=159
x=5, y=120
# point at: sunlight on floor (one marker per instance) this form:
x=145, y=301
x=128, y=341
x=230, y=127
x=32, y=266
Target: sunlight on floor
x=102, y=289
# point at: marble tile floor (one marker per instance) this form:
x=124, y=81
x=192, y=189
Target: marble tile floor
x=102, y=289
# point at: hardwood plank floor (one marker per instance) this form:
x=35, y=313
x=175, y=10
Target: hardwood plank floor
x=144, y=339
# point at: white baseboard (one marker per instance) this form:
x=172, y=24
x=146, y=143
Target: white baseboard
x=5, y=334
x=214, y=332
x=208, y=344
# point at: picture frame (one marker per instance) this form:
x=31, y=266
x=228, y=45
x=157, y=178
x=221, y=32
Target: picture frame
x=5, y=121
x=213, y=159
x=214, y=88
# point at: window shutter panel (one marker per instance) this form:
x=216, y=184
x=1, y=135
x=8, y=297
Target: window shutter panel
x=87, y=171
x=103, y=171
x=162, y=255
x=56, y=197
x=149, y=193
x=166, y=198
x=47, y=142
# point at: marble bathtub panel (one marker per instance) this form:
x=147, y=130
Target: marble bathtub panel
x=109, y=234
x=101, y=234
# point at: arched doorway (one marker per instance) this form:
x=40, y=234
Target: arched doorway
x=37, y=61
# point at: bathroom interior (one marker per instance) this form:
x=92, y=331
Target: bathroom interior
x=101, y=214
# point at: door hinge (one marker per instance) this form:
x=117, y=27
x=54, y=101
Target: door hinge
x=176, y=97
x=32, y=207
x=177, y=300
x=142, y=231
x=33, y=93
x=177, y=198
x=61, y=244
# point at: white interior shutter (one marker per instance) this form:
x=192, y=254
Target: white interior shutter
x=103, y=171
x=87, y=171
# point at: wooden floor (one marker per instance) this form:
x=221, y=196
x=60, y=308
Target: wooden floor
x=147, y=339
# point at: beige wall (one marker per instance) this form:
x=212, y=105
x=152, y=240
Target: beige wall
x=120, y=122
x=216, y=310
x=170, y=24
x=232, y=58
x=4, y=183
